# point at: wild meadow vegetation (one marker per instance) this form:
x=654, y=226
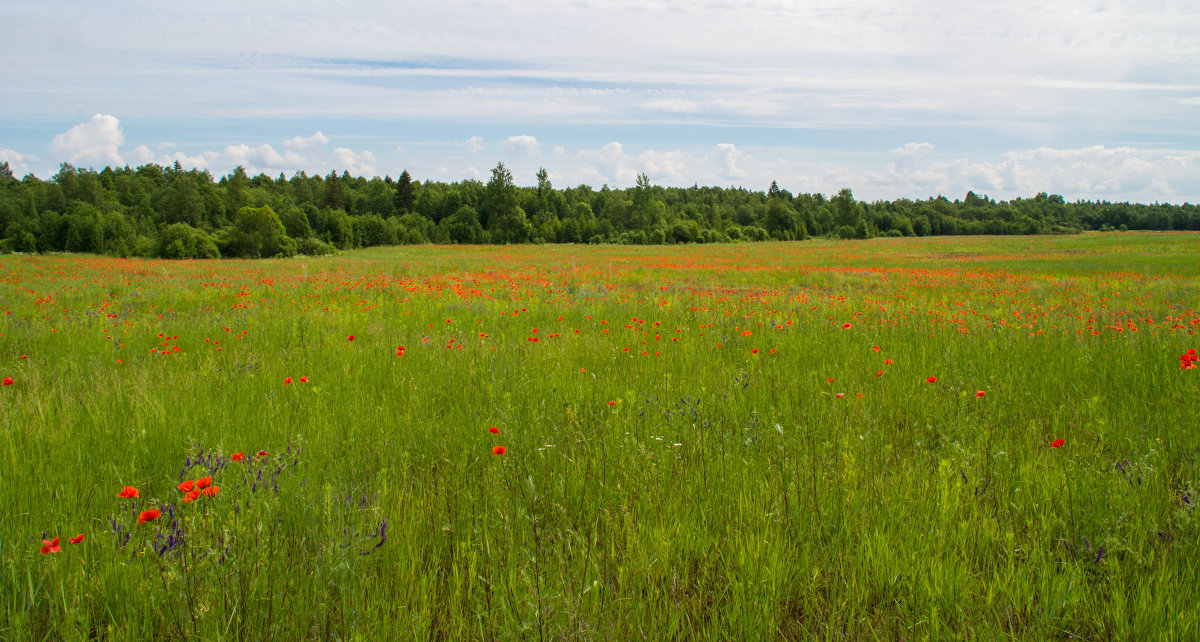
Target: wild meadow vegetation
x=959, y=438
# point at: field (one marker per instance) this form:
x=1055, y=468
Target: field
x=961, y=438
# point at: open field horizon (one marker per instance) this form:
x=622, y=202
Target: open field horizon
x=902, y=438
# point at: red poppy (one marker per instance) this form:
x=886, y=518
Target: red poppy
x=261, y=453
x=350, y=338
x=238, y=457
x=50, y=546
x=8, y=381
x=211, y=491
x=494, y=430
x=754, y=351
x=499, y=450
x=303, y=379
x=186, y=486
x=287, y=380
x=846, y=326
x=840, y=395
x=75, y=540
x=149, y=515
x=203, y=482
x=979, y=393
x=1057, y=443
x=190, y=497
x=128, y=492
x=931, y=380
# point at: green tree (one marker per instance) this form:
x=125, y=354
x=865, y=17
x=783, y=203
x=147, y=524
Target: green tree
x=258, y=232
x=500, y=208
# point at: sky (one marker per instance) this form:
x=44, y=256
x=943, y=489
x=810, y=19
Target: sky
x=1090, y=99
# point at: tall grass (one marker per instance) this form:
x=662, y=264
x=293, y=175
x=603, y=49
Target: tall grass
x=720, y=479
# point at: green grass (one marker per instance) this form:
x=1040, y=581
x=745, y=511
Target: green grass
x=686, y=489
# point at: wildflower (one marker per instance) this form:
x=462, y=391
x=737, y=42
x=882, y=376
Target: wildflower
x=128, y=492
x=840, y=395
x=350, y=338
x=303, y=379
x=979, y=393
x=494, y=430
x=149, y=515
x=50, y=546
x=931, y=380
x=75, y=540
x=261, y=453
x=888, y=361
x=8, y=381
x=211, y=491
x=192, y=495
x=754, y=351
x=186, y=486
x=238, y=457
x=499, y=450
x=204, y=482
x=1057, y=443
x=287, y=380
x=846, y=325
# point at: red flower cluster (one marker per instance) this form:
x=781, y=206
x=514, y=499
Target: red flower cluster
x=1057, y=443
x=1187, y=361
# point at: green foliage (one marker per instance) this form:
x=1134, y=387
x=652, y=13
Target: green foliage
x=258, y=233
x=182, y=241
x=124, y=211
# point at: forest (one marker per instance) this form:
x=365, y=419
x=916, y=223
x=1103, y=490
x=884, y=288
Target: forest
x=172, y=212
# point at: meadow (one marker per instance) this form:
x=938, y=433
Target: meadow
x=933, y=438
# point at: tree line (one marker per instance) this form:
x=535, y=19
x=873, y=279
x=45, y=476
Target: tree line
x=170, y=212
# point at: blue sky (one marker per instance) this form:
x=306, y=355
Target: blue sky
x=1096, y=99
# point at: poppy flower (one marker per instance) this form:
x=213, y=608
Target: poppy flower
x=50, y=546
x=204, y=482
x=287, y=380
x=494, y=430
x=303, y=379
x=8, y=381
x=192, y=496
x=128, y=492
x=931, y=380
x=350, y=338
x=186, y=486
x=211, y=491
x=238, y=457
x=840, y=395
x=1057, y=443
x=979, y=393
x=754, y=351
x=499, y=450
x=261, y=453
x=149, y=515
x=75, y=540
x=846, y=326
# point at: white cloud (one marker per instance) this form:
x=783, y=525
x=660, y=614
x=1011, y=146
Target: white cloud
x=912, y=149
x=672, y=105
x=358, y=164
x=94, y=142
x=524, y=145
x=728, y=156
x=140, y=155
x=1194, y=101
x=609, y=164
x=474, y=144
x=18, y=163
x=311, y=143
